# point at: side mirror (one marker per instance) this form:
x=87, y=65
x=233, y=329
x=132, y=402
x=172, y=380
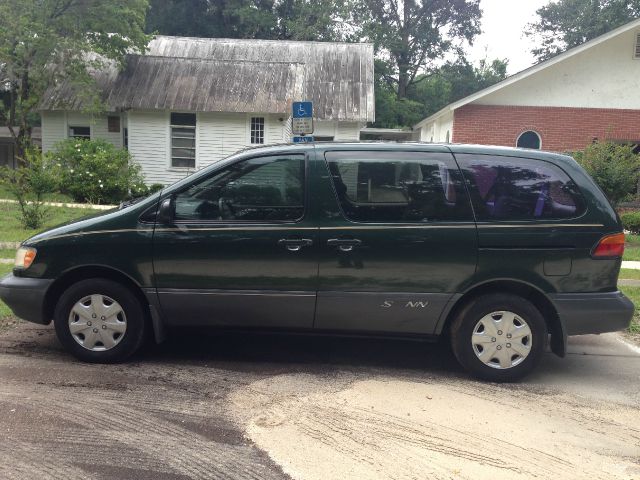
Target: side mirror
x=166, y=211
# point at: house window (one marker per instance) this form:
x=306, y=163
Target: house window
x=113, y=124
x=257, y=130
x=125, y=138
x=529, y=139
x=637, y=49
x=80, y=132
x=183, y=140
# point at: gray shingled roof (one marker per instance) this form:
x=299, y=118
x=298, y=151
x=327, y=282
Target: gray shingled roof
x=205, y=74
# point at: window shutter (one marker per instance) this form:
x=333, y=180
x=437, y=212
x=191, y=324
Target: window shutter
x=637, y=51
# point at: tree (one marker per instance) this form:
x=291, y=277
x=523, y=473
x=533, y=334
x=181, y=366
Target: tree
x=415, y=35
x=264, y=19
x=431, y=92
x=567, y=23
x=45, y=41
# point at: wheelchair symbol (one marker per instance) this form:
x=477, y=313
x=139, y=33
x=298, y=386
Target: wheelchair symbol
x=301, y=111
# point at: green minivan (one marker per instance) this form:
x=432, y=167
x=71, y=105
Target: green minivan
x=501, y=250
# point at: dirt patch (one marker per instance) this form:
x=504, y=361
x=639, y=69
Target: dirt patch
x=8, y=322
x=389, y=428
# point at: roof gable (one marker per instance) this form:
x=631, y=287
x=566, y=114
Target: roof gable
x=533, y=70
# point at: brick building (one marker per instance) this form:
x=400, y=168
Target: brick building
x=588, y=93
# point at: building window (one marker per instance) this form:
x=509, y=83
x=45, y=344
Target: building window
x=113, y=124
x=80, y=132
x=257, y=130
x=529, y=139
x=125, y=138
x=183, y=140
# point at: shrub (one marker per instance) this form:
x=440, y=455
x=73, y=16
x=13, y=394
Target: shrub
x=631, y=222
x=95, y=171
x=142, y=190
x=614, y=167
x=28, y=184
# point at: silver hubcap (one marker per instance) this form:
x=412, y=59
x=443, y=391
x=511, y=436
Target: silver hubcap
x=501, y=340
x=97, y=322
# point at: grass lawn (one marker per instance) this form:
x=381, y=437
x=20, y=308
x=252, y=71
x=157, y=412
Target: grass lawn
x=11, y=229
x=49, y=197
x=6, y=318
x=632, y=248
x=634, y=294
x=7, y=252
x=629, y=274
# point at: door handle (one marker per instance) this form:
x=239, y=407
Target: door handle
x=295, y=244
x=344, y=244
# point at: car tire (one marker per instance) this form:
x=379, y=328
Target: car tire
x=499, y=337
x=100, y=321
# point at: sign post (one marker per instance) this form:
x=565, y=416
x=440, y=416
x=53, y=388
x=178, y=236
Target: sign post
x=302, y=121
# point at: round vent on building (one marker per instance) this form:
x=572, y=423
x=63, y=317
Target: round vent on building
x=529, y=139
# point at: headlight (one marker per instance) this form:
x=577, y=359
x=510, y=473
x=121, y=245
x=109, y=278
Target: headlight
x=25, y=257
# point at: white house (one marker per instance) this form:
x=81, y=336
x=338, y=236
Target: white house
x=189, y=102
x=590, y=92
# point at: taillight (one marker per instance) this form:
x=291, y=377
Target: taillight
x=610, y=246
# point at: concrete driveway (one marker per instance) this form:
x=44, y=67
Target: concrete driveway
x=262, y=407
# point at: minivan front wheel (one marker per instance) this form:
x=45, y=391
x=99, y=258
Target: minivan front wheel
x=499, y=337
x=100, y=321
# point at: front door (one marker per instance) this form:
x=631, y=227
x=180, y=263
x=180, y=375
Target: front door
x=398, y=241
x=240, y=251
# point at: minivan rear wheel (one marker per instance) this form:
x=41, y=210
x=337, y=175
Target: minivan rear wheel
x=99, y=321
x=499, y=337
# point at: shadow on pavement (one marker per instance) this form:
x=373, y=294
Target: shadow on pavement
x=274, y=351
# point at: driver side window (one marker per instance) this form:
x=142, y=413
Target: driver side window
x=267, y=189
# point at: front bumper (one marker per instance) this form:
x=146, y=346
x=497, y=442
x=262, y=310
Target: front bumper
x=585, y=313
x=25, y=296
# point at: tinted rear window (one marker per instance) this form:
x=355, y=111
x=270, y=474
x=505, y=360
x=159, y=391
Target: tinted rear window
x=380, y=186
x=505, y=188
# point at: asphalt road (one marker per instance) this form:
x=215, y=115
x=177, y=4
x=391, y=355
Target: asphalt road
x=263, y=407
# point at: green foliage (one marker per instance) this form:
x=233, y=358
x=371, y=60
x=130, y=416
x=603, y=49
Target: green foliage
x=567, y=23
x=266, y=19
x=631, y=222
x=614, y=167
x=95, y=171
x=142, y=190
x=414, y=35
x=43, y=42
x=28, y=184
x=430, y=93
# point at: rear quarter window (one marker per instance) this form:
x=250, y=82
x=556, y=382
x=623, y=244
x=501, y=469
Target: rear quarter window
x=506, y=188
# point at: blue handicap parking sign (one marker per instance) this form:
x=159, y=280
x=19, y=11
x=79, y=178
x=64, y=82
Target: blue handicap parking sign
x=302, y=109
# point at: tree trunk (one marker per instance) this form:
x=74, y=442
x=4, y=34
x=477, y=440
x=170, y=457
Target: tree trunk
x=403, y=81
x=23, y=137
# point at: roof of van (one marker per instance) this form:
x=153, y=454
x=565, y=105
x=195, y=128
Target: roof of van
x=455, y=148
